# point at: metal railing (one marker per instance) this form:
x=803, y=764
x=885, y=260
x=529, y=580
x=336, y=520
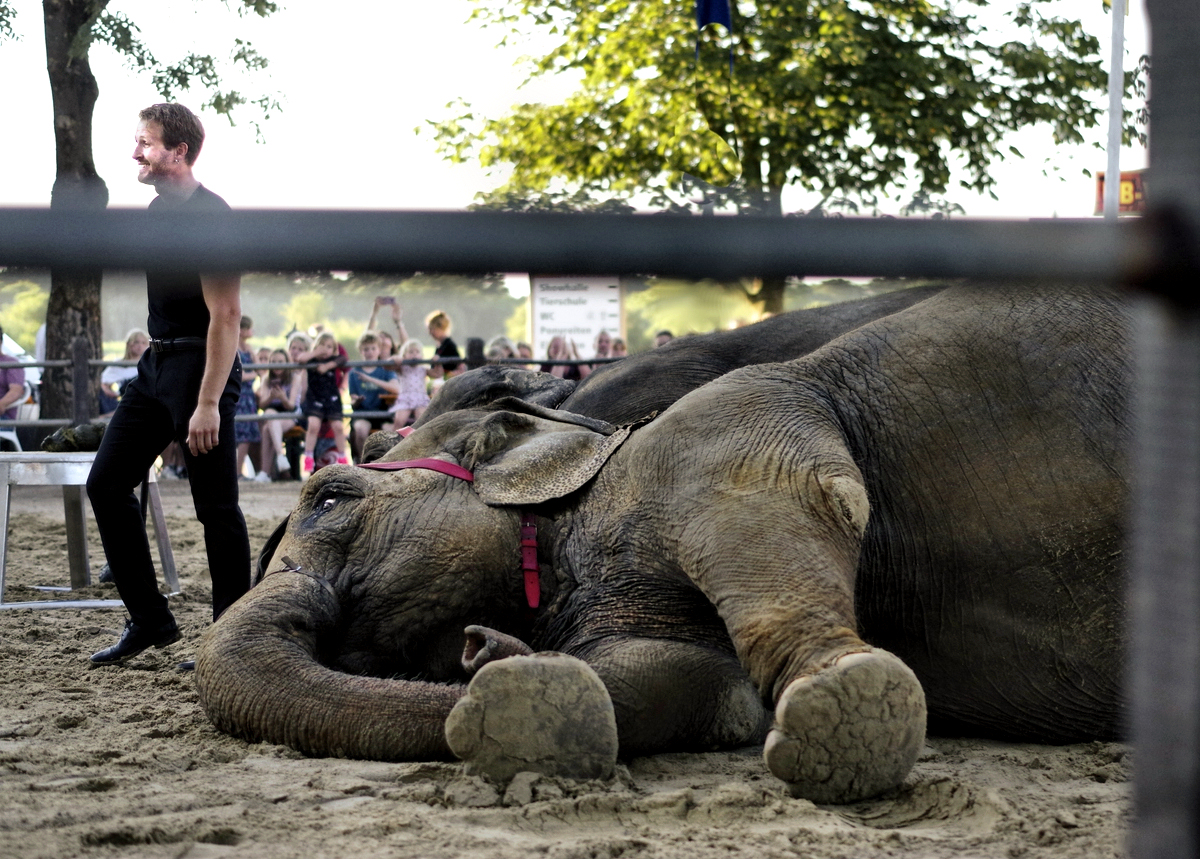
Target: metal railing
x=1160, y=255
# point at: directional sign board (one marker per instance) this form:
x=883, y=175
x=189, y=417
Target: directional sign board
x=577, y=308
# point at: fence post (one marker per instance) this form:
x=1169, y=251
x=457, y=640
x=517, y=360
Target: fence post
x=1164, y=668
x=81, y=381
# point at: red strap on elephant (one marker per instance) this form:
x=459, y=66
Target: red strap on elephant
x=432, y=464
x=529, y=559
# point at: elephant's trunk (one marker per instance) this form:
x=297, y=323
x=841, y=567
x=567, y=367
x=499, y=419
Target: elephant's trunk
x=259, y=678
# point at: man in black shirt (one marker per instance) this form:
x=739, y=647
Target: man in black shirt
x=186, y=390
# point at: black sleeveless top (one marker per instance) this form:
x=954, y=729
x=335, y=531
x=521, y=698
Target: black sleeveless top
x=176, y=301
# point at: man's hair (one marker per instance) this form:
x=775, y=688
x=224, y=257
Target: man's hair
x=179, y=125
x=246, y=323
x=366, y=338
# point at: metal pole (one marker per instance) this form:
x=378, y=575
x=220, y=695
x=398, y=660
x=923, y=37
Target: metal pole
x=1164, y=568
x=81, y=381
x=1116, y=112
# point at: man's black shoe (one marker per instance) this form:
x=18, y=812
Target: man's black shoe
x=134, y=640
x=106, y=575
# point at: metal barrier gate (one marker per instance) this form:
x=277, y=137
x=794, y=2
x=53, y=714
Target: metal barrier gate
x=1158, y=256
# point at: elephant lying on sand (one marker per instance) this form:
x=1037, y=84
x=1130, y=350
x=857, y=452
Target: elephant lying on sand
x=634, y=387
x=924, y=513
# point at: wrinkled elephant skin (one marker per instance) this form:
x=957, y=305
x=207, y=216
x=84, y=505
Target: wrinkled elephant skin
x=918, y=520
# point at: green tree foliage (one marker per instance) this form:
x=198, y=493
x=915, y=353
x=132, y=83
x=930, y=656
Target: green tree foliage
x=845, y=100
x=22, y=311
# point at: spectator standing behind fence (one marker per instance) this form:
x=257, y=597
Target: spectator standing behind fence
x=187, y=390
x=246, y=432
x=389, y=345
x=500, y=348
x=561, y=349
x=298, y=346
x=12, y=385
x=412, y=392
x=619, y=349
x=323, y=398
x=114, y=379
x=367, y=385
x=438, y=325
x=276, y=396
x=263, y=357
x=602, y=348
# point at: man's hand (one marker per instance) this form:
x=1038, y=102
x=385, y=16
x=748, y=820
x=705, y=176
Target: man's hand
x=203, y=429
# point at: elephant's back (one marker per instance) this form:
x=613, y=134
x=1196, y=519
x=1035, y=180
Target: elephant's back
x=993, y=447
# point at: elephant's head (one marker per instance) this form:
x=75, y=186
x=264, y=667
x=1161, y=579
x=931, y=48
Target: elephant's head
x=375, y=575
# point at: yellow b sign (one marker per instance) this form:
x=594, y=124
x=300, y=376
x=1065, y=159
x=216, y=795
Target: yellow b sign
x=1131, y=196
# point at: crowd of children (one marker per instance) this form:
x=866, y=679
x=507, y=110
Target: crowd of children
x=307, y=404
x=299, y=394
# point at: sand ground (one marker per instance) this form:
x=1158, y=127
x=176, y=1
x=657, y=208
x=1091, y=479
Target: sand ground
x=121, y=762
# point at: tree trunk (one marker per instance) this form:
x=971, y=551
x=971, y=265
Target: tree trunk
x=74, y=307
x=769, y=296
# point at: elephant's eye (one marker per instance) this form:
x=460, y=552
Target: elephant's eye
x=330, y=498
x=334, y=495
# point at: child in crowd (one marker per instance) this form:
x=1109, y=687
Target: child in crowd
x=412, y=395
x=438, y=325
x=619, y=349
x=602, y=347
x=114, y=379
x=561, y=349
x=367, y=385
x=277, y=395
x=323, y=399
x=297, y=346
x=387, y=343
x=500, y=348
x=262, y=356
x=246, y=432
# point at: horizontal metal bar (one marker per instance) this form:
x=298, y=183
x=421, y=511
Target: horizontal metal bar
x=40, y=604
x=721, y=247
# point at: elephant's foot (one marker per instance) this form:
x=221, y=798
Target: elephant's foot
x=849, y=731
x=547, y=713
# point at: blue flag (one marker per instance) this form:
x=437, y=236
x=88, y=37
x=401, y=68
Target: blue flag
x=713, y=12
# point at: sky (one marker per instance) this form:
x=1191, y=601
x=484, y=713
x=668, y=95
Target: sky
x=354, y=85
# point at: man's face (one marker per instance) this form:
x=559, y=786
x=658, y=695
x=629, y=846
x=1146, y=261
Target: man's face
x=155, y=161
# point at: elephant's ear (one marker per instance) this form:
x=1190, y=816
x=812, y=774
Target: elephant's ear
x=521, y=458
x=268, y=550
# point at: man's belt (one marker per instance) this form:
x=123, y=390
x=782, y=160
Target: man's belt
x=178, y=344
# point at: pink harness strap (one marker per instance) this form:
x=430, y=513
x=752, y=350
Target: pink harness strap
x=529, y=560
x=431, y=464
